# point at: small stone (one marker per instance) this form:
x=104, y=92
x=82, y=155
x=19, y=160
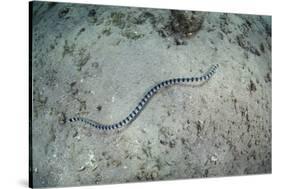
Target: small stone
x=78, y=138
x=154, y=175
x=148, y=176
x=82, y=168
x=214, y=158
x=72, y=84
x=74, y=91
x=95, y=166
x=63, y=12
x=42, y=99
x=61, y=118
x=262, y=47
x=98, y=178
x=140, y=175
x=92, y=13
x=103, y=153
x=99, y=107
x=116, y=163
x=95, y=65
x=179, y=41
x=252, y=87
x=143, y=131
x=75, y=134
x=172, y=143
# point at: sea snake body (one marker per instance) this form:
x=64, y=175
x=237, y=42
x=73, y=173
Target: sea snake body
x=132, y=116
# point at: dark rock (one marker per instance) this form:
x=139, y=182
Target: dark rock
x=262, y=47
x=92, y=16
x=252, y=86
x=63, y=12
x=99, y=107
x=92, y=13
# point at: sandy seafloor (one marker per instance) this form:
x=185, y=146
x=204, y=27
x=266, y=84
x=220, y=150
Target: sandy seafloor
x=98, y=62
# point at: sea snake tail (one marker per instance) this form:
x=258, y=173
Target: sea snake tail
x=132, y=116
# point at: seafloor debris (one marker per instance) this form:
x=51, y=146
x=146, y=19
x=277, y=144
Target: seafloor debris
x=129, y=34
x=68, y=49
x=42, y=99
x=106, y=31
x=186, y=23
x=224, y=24
x=252, y=87
x=245, y=44
x=84, y=57
x=167, y=137
x=262, y=48
x=63, y=12
x=182, y=25
x=92, y=16
x=116, y=163
x=147, y=175
x=80, y=32
x=118, y=19
x=99, y=107
x=199, y=126
x=51, y=77
x=267, y=78
x=61, y=118
x=39, y=102
x=73, y=89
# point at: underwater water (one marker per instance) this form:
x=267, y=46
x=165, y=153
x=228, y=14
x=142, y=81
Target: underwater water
x=98, y=62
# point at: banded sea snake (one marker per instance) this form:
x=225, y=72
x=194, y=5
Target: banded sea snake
x=132, y=116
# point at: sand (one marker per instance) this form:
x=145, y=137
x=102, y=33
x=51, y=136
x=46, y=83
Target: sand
x=98, y=62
